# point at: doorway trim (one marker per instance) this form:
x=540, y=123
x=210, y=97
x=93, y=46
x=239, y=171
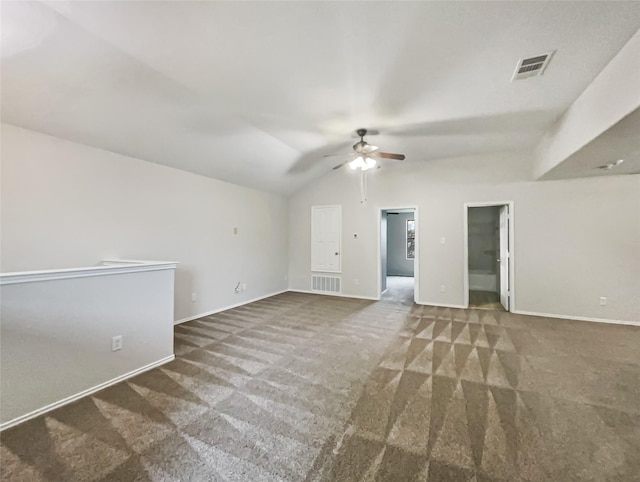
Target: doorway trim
x=512, y=248
x=416, y=262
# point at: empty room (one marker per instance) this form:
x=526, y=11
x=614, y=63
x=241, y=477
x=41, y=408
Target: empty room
x=320, y=241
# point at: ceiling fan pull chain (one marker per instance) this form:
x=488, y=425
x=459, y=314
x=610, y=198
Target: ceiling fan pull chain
x=363, y=187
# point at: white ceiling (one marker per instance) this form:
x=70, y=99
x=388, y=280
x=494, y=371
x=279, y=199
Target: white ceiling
x=256, y=93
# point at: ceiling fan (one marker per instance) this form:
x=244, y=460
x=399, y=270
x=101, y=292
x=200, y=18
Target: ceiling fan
x=365, y=155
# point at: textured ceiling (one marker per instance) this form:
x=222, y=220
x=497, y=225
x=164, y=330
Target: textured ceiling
x=256, y=93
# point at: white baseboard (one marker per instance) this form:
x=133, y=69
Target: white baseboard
x=340, y=295
x=218, y=310
x=84, y=393
x=419, y=302
x=577, y=318
x=440, y=305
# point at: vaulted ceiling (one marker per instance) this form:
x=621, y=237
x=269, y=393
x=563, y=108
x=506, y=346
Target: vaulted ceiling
x=256, y=93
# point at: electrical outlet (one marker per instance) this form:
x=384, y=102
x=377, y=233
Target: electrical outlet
x=356, y=281
x=603, y=301
x=194, y=296
x=443, y=240
x=286, y=277
x=116, y=343
x=443, y=289
x=244, y=286
x=235, y=230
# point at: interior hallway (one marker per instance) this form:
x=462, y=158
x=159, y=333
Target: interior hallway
x=306, y=387
x=400, y=289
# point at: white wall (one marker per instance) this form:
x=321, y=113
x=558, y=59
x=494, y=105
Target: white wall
x=575, y=240
x=383, y=250
x=67, y=205
x=57, y=331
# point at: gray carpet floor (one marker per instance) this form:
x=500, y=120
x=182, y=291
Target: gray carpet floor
x=311, y=388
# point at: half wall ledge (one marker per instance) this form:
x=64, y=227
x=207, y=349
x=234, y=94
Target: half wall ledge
x=59, y=331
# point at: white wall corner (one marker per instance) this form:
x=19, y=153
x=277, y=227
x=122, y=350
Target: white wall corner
x=611, y=96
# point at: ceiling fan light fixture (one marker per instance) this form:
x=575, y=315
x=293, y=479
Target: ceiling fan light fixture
x=369, y=148
x=365, y=155
x=358, y=162
x=362, y=163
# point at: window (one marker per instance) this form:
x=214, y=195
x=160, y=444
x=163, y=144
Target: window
x=411, y=238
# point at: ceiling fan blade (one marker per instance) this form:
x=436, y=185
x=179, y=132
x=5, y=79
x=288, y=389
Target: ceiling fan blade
x=339, y=165
x=387, y=155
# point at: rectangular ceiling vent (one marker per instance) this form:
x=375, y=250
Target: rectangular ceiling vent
x=532, y=66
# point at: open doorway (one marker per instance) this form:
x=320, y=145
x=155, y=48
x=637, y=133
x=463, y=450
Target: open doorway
x=398, y=253
x=488, y=247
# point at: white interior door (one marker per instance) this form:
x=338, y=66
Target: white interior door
x=505, y=256
x=383, y=252
x=326, y=232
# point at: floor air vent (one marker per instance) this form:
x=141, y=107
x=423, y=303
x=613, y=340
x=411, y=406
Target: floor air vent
x=326, y=284
x=532, y=66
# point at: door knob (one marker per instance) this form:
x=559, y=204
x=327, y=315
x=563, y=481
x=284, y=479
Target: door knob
x=336, y=253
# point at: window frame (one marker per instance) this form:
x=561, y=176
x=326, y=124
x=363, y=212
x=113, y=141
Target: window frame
x=410, y=240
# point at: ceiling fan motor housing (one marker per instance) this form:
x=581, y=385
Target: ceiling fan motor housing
x=359, y=146
x=366, y=154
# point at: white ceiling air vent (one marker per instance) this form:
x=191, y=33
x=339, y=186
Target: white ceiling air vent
x=532, y=66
